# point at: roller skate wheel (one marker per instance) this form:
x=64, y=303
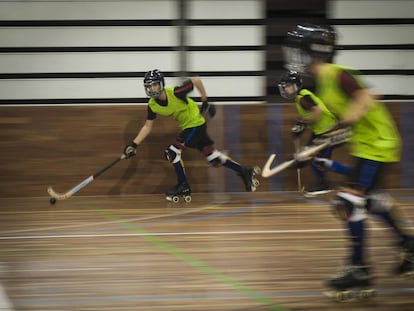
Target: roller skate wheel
x=187, y=199
x=256, y=182
x=257, y=170
x=176, y=199
x=367, y=293
x=345, y=296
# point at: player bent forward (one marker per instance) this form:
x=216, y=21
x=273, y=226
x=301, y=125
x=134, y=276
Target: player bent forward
x=374, y=142
x=175, y=102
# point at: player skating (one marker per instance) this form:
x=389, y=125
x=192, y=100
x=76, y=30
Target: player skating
x=355, y=282
x=374, y=142
x=175, y=102
x=314, y=115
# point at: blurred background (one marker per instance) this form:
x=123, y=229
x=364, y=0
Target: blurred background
x=71, y=90
x=71, y=97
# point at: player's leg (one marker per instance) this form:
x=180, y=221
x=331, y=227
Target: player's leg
x=322, y=184
x=350, y=208
x=247, y=173
x=216, y=158
x=173, y=155
x=350, y=204
x=382, y=205
x=333, y=166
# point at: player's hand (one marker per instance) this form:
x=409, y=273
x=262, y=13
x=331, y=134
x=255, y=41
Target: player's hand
x=211, y=110
x=298, y=128
x=208, y=108
x=130, y=150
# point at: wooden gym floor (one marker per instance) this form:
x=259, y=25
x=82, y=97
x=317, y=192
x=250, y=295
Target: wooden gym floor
x=226, y=251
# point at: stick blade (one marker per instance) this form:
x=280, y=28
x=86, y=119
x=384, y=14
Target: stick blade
x=58, y=196
x=267, y=171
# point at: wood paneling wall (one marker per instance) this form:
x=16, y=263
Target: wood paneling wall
x=61, y=146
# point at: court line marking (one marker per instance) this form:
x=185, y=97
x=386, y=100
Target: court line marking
x=196, y=263
x=89, y=224
x=217, y=202
x=182, y=212
x=261, y=203
x=144, y=234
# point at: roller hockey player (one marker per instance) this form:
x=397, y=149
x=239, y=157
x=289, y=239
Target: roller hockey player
x=313, y=115
x=175, y=102
x=374, y=143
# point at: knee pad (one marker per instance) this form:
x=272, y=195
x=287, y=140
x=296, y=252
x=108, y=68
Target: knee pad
x=349, y=207
x=216, y=158
x=173, y=154
x=322, y=163
x=380, y=202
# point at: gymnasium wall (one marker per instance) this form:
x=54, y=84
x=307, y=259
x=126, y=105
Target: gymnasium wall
x=54, y=52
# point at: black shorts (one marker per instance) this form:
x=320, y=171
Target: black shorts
x=195, y=137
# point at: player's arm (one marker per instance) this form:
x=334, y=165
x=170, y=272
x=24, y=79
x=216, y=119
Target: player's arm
x=188, y=85
x=130, y=149
x=361, y=99
x=200, y=88
x=206, y=107
x=146, y=128
x=313, y=115
x=314, y=112
x=144, y=132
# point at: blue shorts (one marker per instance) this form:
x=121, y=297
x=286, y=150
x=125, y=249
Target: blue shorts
x=366, y=175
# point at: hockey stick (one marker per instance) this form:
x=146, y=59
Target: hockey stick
x=296, y=142
x=267, y=171
x=63, y=196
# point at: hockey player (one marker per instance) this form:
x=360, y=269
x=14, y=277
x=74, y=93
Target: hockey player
x=175, y=102
x=313, y=114
x=374, y=142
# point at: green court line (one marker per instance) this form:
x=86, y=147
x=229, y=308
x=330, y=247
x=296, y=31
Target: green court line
x=194, y=262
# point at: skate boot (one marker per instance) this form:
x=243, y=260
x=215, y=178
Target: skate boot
x=179, y=190
x=354, y=283
x=248, y=176
x=406, y=266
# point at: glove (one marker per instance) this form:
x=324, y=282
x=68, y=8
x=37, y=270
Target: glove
x=298, y=129
x=209, y=108
x=130, y=150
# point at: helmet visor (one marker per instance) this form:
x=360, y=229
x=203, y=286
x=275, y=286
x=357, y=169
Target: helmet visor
x=287, y=90
x=153, y=88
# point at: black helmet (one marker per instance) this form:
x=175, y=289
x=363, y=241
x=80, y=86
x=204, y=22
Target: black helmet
x=153, y=77
x=306, y=43
x=290, y=78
